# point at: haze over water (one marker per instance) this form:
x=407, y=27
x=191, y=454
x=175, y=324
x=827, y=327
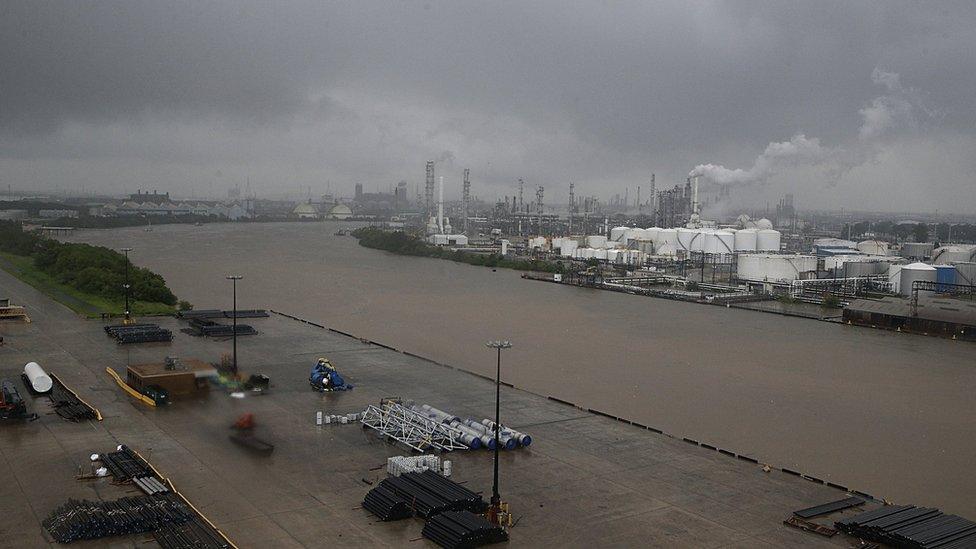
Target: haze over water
x=890, y=414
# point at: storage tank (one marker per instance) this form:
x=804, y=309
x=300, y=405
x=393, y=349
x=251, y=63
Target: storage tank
x=38, y=379
x=720, y=242
x=746, y=240
x=966, y=273
x=913, y=272
x=600, y=254
x=666, y=249
x=944, y=276
x=613, y=255
x=894, y=277
x=917, y=250
x=596, y=241
x=567, y=247
x=767, y=240
x=873, y=247
x=774, y=267
x=669, y=237
x=652, y=233
x=953, y=254
x=764, y=224
x=617, y=233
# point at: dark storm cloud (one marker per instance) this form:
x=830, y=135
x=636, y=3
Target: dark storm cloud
x=299, y=94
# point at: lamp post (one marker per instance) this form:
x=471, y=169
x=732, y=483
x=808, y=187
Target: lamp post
x=126, y=285
x=234, y=279
x=498, y=346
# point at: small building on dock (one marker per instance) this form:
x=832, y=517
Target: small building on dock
x=182, y=378
x=938, y=316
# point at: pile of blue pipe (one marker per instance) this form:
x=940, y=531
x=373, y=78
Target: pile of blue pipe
x=476, y=433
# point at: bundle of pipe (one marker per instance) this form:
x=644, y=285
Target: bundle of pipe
x=473, y=438
x=508, y=442
x=521, y=438
x=39, y=380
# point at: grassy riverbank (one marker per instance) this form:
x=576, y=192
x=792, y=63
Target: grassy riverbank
x=88, y=279
x=403, y=244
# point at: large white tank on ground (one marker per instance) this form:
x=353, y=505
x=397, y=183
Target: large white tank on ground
x=774, y=267
x=39, y=380
x=955, y=253
x=567, y=246
x=596, y=241
x=666, y=249
x=966, y=273
x=613, y=255
x=600, y=254
x=719, y=242
x=746, y=240
x=767, y=240
x=667, y=236
x=764, y=224
x=917, y=250
x=651, y=233
x=894, y=277
x=913, y=272
x=617, y=233
x=873, y=247
x=538, y=243
x=689, y=240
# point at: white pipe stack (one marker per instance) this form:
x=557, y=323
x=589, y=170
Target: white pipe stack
x=39, y=380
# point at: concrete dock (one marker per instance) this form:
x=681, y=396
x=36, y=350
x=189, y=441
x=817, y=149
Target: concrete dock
x=587, y=480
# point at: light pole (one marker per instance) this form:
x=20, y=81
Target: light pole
x=126, y=285
x=234, y=279
x=498, y=346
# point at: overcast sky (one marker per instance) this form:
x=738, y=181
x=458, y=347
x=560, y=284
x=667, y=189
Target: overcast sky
x=867, y=105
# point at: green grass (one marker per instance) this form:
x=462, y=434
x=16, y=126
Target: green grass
x=86, y=304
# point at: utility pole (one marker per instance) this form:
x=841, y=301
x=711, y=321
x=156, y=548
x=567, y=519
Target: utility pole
x=234, y=279
x=496, y=499
x=127, y=319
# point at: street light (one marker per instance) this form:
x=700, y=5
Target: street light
x=234, y=279
x=498, y=346
x=126, y=285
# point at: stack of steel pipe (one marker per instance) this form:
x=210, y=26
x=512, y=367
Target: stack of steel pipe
x=475, y=439
x=521, y=439
x=190, y=534
x=138, y=333
x=386, y=504
x=150, y=485
x=506, y=442
x=911, y=527
x=85, y=519
x=68, y=406
x=124, y=464
x=462, y=529
x=247, y=313
x=429, y=493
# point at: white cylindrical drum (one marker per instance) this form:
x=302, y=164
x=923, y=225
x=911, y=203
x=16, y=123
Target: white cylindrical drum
x=39, y=380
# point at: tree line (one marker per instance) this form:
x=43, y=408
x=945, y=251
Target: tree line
x=91, y=269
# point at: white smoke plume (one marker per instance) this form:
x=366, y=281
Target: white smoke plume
x=799, y=150
x=896, y=109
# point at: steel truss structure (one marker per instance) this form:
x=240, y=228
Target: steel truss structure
x=415, y=430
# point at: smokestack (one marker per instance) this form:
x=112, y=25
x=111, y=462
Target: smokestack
x=694, y=200
x=440, y=206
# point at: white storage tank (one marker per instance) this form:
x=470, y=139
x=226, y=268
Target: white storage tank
x=720, y=242
x=665, y=249
x=39, y=380
x=667, y=236
x=614, y=255
x=774, y=267
x=746, y=240
x=567, y=247
x=947, y=255
x=767, y=240
x=917, y=250
x=596, y=241
x=913, y=272
x=764, y=224
x=600, y=254
x=690, y=240
x=966, y=273
x=873, y=247
x=894, y=277
x=651, y=233
x=617, y=233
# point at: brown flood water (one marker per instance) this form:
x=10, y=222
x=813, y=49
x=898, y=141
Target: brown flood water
x=890, y=414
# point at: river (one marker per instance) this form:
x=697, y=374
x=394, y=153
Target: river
x=890, y=414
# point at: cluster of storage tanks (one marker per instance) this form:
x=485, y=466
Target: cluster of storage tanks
x=670, y=242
